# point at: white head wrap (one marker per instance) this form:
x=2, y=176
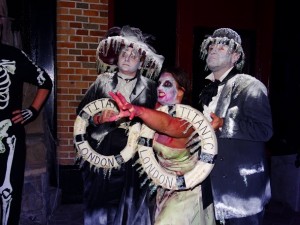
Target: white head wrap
x=117, y=38
x=228, y=37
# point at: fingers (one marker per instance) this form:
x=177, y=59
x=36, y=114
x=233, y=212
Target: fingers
x=115, y=118
x=16, y=111
x=213, y=115
x=121, y=97
x=17, y=117
x=104, y=117
x=118, y=116
x=126, y=105
x=126, y=109
x=96, y=119
x=132, y=112
x=131, y=109
x=115, y=98
x=120, y=100
x=216, y=122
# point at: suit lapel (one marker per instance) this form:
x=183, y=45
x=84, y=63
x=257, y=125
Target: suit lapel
x=139, y=87
x=225, y=96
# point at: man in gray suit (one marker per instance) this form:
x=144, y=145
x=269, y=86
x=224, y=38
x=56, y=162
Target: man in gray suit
x=238, y=105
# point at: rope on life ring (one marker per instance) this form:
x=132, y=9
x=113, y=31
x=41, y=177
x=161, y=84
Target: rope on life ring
x=208, y=145
x=84, y=149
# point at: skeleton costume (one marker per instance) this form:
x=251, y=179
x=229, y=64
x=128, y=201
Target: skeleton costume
x=114, y=196
x=240, y=178
x=15, y=69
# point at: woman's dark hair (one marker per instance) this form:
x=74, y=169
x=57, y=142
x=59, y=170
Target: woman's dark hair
x=182, y=79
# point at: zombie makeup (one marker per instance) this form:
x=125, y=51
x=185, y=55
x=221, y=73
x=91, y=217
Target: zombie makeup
x=167, y=89
x=118, y=39
x=129, y=61
x=224, y=36
x=218, y=55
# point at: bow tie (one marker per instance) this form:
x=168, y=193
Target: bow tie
x=215, y=83
x=209, y=92
x=127, y=80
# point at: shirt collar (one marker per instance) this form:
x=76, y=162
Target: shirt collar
x=212, y=77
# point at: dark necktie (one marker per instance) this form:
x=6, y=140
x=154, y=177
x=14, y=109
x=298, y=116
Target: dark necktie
x=211, y=90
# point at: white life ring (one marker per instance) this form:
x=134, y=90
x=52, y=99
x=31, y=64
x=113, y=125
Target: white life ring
x=84, y=149
x=204, y=165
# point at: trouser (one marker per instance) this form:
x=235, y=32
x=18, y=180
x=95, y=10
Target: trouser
x=12, y=168
x=256, y=219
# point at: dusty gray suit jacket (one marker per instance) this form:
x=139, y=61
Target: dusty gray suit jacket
x=240, y=177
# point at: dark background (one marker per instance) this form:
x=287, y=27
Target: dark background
x=156, y=17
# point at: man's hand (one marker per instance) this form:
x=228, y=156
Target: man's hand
x=105, y=116
x=216, y=122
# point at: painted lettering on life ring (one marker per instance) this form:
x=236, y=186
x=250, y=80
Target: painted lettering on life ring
x=207, y=143
x=84, y=149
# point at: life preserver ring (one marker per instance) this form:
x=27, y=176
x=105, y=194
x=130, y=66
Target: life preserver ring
x=208, y=144
x=85, y=151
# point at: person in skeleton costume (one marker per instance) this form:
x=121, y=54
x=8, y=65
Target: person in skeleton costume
x=239, y=106
x=126, y=63
x=173, y=152
x=16, y=69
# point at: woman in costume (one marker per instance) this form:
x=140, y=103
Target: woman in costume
x=182, y=207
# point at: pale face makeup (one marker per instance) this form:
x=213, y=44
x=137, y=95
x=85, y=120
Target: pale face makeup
x=167, y=89
x=218, y=57
x=128, y=61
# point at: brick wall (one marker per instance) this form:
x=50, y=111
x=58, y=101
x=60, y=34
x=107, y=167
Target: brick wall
x=80, y=26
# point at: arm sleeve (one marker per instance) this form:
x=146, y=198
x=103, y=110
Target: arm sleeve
x=254, y=121
x=32, y=73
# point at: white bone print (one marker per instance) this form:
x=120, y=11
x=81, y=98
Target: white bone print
x=6, y=188
x=6, y=67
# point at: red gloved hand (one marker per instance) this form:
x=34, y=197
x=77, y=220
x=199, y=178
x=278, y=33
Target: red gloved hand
x=126, y=108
